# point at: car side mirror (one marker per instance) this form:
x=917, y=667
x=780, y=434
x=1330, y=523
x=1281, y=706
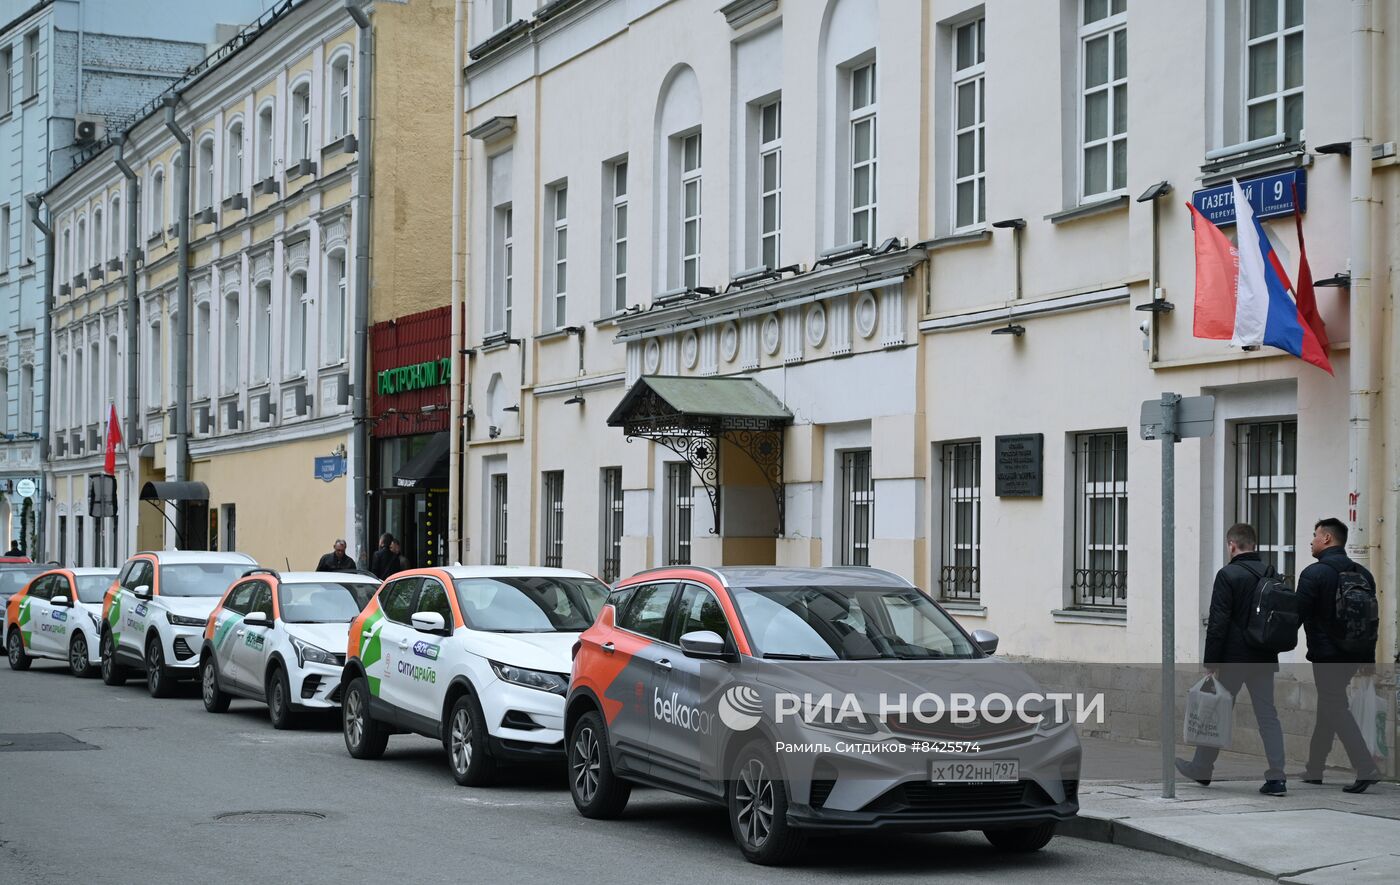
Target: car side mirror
x=986, y=640
x=61, y=602
x=704, y=644
x=142, y=592
x=428, y=622
x=257, y=619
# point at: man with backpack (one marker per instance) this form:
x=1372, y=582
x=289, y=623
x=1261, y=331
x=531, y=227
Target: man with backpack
x=1342, y=621
x=1253, y=617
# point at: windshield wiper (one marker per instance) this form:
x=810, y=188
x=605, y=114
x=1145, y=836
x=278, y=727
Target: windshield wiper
x=780, y=656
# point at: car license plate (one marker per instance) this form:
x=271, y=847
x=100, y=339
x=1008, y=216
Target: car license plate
x=975, y=772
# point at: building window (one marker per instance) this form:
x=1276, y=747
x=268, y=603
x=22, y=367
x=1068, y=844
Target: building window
x=553, y=514
x=154, y=361
x=229, y=357
x=4, y=239
x=499, y=513
x=680, y=505
x=959, y=577
x=864, y=154
x=1101, y=519
x=201, y=351
x=1274, y=69
x=690, y=210
x=99, y=238
x=114, y=237
x=502, y=14
x=264, y=153
x=340, y=97
x=611, y=521
x=335, y=299
x=300, y=122
x=60, y=398
x=1266, y=468
x=77, y=401
x=78, y=542
x=157, y=202
x=969, y=125
x=296, y=324
x=26, y=397
x=618, y=234
x=233, y=159
x=31, y=64
x=206, y=172
x=856, y=519
x=94, y=384
x=498, y=321
x=262, y=331
x=7, y=80
x=26, y=236
x=558, y=257
x=5, y=400
x=1103, y=61
x=80, y=256
x=770, y=171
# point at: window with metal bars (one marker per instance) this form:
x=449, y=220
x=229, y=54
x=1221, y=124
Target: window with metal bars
x=498, y=519
x=553, y=511
x=1266, y=466
x=959, y=577
x=857, y=507
x=1101, y=519
x=611, y=521
x=680, y=505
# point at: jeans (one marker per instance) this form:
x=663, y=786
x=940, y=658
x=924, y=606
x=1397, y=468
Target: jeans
x=1259, y=679
x=1335, y=719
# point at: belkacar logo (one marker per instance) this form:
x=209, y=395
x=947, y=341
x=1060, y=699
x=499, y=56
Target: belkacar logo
x=672, y=712
x=417, y=673
x=426, y=650
x=59, y=615
x=740, y=707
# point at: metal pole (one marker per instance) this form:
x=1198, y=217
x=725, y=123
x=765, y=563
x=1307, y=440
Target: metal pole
x=1169, y=438
x=454, y=422
x=42, y=520
x=133, y=331
x=182, y=296
x=1365, y=317
x=360, y=361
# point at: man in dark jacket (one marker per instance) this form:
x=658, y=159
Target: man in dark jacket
x=1333, y=666
x=1235, y=663
x=336, y=560
x=383, y=561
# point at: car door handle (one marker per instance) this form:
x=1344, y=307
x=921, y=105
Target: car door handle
x=365, y=634
x=663, y=664
x=609, y=648
x=403, y=643
x=238, y=632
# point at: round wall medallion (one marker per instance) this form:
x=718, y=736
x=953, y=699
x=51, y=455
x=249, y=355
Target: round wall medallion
x=866, y=313
x=816, y=325
x=729, y=342
x=651, y=356
x=690, y=349
x=772, y=334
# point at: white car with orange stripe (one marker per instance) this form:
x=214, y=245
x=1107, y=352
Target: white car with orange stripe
x=280, y=639
x=58, y=615
x=477, y=657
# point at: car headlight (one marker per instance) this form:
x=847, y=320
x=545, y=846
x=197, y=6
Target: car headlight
x=96, y=620
x=308, y=653
x=831, y=719
x=182, y=621
x=536, y=679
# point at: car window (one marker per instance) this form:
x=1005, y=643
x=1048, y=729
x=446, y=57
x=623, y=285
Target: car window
x=12, y=580
x=397, y=599
x=262, y=599
x=433, y=598
x=92, y=588
x=698, y=610
x=199, y=578
x=241, y=597
x=320, y=603
x=362, y=593
x=42, y=589
x=529, y=604
x=139, y=575
x=646, y=614
x=618, y=599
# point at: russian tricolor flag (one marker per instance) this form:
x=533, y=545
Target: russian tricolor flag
x=1242, y=292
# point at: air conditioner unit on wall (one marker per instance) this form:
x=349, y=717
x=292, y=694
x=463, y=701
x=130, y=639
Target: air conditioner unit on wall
x=88, y=128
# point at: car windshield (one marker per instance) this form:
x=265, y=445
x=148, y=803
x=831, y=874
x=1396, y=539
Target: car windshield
x=12, y=580
x=92, y=588
x=327, y=603
x=200, y=578
x=530, y=604
x=363, y=593
x=848, y=623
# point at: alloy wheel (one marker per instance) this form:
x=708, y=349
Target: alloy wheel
x=78, y=655
x=14, y=649
x=586, y=764
x=209, y=683
x=354, y=718
x=754, y=792
x=461, y=741
x=153, y=667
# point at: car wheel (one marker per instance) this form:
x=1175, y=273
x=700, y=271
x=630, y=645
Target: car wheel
x=215, y=701
x=78, y=656
x=758, y=805
x=113, y=673
x=596, y=789
x=279, y=699
x=1022, y=838
x=158, y=682
x=365, y=738
x=467, y=753
x=19, y=660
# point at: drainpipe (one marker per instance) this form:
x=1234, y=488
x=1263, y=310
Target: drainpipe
x=455, y=490
x=360, y=374
x=182, y=330
x=47, y=231
x=133, y=331
x=1365, y=319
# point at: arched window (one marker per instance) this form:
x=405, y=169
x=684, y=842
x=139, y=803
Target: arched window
x=114, y=374
x=99, y=238
x=94, y=384
x=114, y=237
x=158, y=201
x=299, y=124
x=262, y=330
x=80, y=254
x=338, y=97
x=678, y=116
x=230, y=344
x=206, y=171
x=154, y=360
x=66, y=257
x=233, y=159
x=77, y=400
x=333, y=343
x=264, y=136
x=26, y=398
x=5, y=400
x=200, y=354
x=296, y=324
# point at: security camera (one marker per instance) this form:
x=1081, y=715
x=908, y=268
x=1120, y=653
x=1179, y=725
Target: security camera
x=494, y=431
x=1145, y=327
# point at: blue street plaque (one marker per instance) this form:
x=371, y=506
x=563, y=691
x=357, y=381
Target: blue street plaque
x=1270, y=195
x=330, y=467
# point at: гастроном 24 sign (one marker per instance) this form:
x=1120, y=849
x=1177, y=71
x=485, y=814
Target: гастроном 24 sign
x=1270, y=195
x=418, y=376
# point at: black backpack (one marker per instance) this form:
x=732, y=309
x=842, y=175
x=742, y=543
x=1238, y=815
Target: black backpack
x=1356, y=619
x=1272, y=620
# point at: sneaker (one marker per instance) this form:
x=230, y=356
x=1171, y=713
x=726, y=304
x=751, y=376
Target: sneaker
x=1274, y=788
x=1186, y=771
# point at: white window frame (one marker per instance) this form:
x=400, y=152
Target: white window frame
x=617, y=231
x=1281, y=91
x=233, y=157
x=1086, y=591
x=770, y=150
x=1281, y=435
x=231, y=370
x=299, y=122
x=298, y=310
x=503, y=271
x=265, y=145
x=157, y=202
x=338, y=111
x=558, y=276
x=261, y=340
x=7, y=58
x=337, y=291
x=200, y=351
x=973, y=75
x=5, y=222
x=117, y=227
x=1107, y=29
x=691, y=179
x=99, y=236
x=80, y=247
x=31, y=64
x=207, y=172
x=155, y=364
x=502, y=14
x=864, y=112
x=26, y=235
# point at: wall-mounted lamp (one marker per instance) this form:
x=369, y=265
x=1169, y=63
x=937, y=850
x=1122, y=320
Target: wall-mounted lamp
x=1341, y=148
x=573, y=330
x=1160, y=189
x=1017, y=225
x=514, y=408
x=1339, y=281
x=1157, y=305
x=1010, y=329
x=575, y=400
x=1013, y=223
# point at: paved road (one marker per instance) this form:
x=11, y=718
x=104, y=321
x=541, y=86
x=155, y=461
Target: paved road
x=141, y=801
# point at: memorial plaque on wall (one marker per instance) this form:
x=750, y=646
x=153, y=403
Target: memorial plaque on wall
x=1019, y=465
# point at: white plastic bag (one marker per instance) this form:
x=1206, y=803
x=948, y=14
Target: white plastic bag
x=1368, y=709
x=1210, y=714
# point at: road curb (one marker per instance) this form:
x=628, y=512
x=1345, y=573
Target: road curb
x=1122, y=832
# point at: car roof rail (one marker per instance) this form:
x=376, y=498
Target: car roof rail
x=260, y=571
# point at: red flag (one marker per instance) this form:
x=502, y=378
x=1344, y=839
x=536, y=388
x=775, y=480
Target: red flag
x=1307, y=298
x=114, y=438
x=1217, y=271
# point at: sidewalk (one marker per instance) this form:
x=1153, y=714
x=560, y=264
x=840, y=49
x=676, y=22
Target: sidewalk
x=1316, y=835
